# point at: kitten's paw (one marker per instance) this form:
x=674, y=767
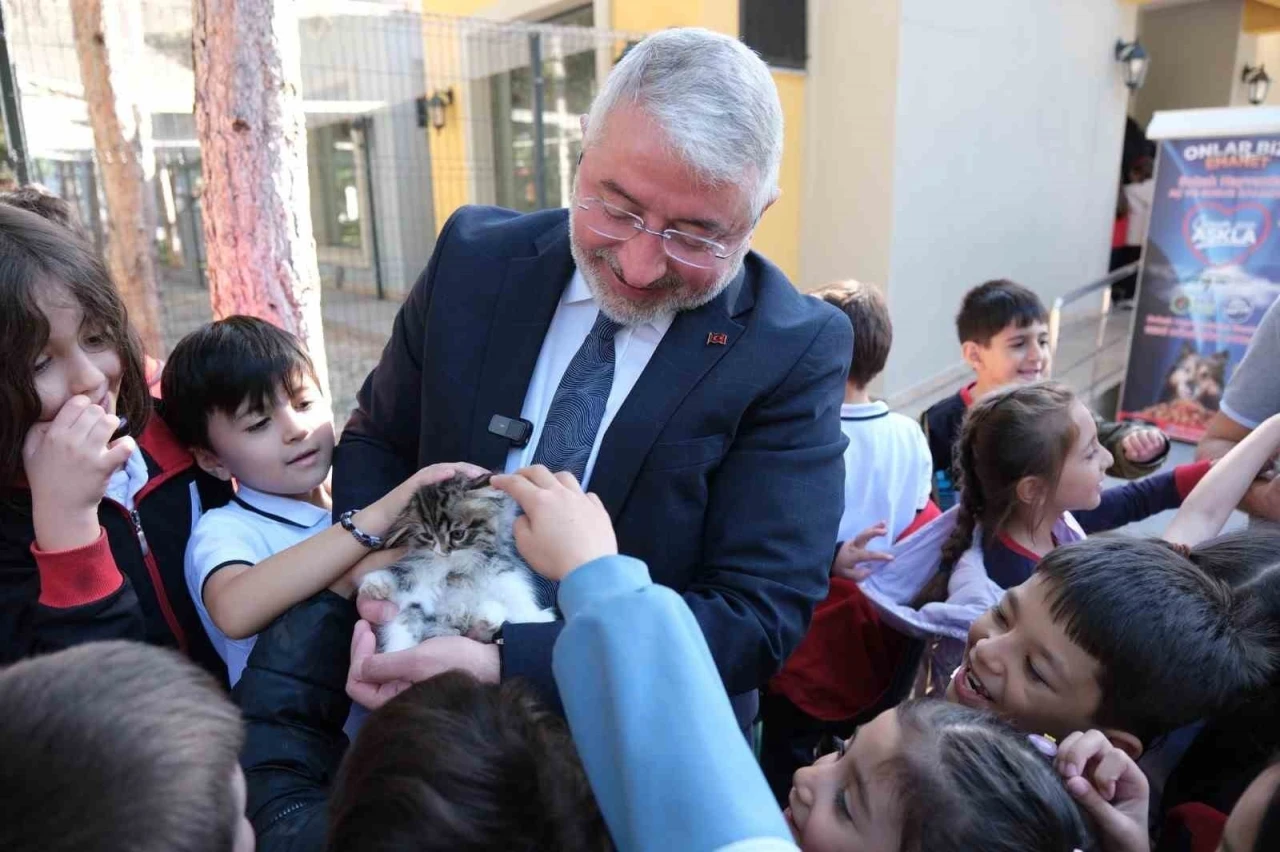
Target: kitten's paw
x=542, y=615
x=378, y=585
x=486, y=620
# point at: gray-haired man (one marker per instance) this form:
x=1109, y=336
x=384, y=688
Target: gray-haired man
x=651, y=353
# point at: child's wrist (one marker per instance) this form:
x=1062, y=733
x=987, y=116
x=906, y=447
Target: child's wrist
x=373, y=519
x=58, y=530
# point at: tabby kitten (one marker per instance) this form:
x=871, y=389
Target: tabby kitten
x=462, y=575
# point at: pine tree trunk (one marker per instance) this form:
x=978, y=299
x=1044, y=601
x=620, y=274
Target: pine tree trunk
x=256, y=202
x=108, y=36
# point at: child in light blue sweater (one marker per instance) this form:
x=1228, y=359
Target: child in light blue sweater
x=667, y=762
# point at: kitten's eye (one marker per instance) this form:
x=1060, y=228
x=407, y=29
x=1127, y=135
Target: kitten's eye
x=457, y=536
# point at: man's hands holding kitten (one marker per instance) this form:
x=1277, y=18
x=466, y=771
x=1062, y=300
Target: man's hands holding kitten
x=561, y=529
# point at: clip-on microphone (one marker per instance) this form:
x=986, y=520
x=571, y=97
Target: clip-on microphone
x=514, y=429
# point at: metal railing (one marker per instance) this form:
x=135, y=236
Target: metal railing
x=1100, y=346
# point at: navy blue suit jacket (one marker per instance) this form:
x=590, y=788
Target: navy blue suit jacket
x=722, y=470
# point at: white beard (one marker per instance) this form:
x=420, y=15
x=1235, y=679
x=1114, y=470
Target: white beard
x=621, y=310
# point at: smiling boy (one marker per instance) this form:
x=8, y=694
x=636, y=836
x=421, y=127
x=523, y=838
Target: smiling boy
x=1004, y=337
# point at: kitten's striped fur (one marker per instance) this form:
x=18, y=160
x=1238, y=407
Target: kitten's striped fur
x=462, y=575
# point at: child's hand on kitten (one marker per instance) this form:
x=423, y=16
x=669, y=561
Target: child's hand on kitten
x=379, y=516
x=562, y=528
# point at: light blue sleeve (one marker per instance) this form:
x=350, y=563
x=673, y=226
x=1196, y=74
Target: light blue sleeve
x=653, y=725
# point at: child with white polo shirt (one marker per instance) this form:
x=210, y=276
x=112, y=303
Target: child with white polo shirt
x=846, y=660
x=244, y=396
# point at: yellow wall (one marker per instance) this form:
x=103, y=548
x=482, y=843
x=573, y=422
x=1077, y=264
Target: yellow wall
x=645, y=16
x=777, y=237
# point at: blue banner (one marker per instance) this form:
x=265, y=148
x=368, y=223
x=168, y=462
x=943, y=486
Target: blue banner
x=1210, y=270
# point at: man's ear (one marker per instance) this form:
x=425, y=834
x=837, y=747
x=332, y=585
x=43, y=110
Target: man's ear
x=1125, y=741
x=972, y=354
x=210, y=463
x=773, y=197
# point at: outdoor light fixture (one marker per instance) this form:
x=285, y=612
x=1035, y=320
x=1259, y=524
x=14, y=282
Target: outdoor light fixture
x=436, y=107
x=1133, y=56
x=1255, y=77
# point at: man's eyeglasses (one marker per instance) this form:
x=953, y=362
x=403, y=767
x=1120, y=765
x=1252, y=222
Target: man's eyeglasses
x=614, y=223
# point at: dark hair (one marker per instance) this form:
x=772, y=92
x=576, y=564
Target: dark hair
x=872, y=328
x=46, y=205
x=1019, y=431
x=993, y=306
x=969, y=781
x=221, y=365
x=117, y=745
x=454, y=764
x=36, y=258
x=1173, y=643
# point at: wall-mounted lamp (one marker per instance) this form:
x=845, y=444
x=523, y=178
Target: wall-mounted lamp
x=1255, y=77
x=432, y=110
x=1133, y=56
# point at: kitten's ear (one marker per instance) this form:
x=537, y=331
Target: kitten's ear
x=479, y=482
x=398, y=533
x=404, y=525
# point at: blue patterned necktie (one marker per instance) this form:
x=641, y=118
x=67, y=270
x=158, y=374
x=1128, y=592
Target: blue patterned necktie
x=574, y=417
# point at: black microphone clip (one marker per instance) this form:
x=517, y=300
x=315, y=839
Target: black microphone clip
x=514, y=429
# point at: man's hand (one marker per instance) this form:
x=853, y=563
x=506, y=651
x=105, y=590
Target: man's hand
x=1109, y=786
x=1143, y=445
x=374, y=679
x=854, y=551
x=562, y=528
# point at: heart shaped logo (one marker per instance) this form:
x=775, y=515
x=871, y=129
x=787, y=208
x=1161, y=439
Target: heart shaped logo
x=1222, y=235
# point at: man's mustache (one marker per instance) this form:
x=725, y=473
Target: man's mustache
x=669, y=282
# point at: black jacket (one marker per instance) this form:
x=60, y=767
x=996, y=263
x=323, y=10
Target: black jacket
x=114, y=588
x=293, y=698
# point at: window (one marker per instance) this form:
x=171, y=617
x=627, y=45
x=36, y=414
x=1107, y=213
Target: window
x=336, y=204
x=569, y=81
x=776, y=30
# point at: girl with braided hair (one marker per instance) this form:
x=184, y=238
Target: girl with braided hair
x=1031, y=474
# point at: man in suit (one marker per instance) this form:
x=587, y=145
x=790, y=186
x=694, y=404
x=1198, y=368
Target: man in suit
x=672, y=370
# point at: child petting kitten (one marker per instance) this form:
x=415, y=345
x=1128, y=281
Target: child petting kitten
x=244, y=396
x=925, y=776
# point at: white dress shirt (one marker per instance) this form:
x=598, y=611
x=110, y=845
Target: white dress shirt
x=633, y=346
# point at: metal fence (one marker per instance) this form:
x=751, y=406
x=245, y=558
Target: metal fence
x=408, y=117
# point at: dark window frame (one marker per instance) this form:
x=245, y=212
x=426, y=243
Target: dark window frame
x=768, y=27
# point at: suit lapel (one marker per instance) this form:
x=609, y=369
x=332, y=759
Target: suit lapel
x=521, y=317
x=693, y=344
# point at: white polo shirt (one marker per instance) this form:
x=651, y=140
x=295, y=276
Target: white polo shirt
x=249, y=529
x=888, y=471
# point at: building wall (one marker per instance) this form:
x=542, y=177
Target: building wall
x=1193, y=52
x=453, y=151
x=1007, y=137
x=846, y=223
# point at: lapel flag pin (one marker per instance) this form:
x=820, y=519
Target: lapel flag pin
x=717, y=338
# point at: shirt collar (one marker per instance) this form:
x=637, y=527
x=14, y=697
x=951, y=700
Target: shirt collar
x=579, y=293
x=864, y=410
x=298, y=513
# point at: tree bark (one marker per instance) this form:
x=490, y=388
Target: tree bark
x=108, y=36
x=256, y=202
